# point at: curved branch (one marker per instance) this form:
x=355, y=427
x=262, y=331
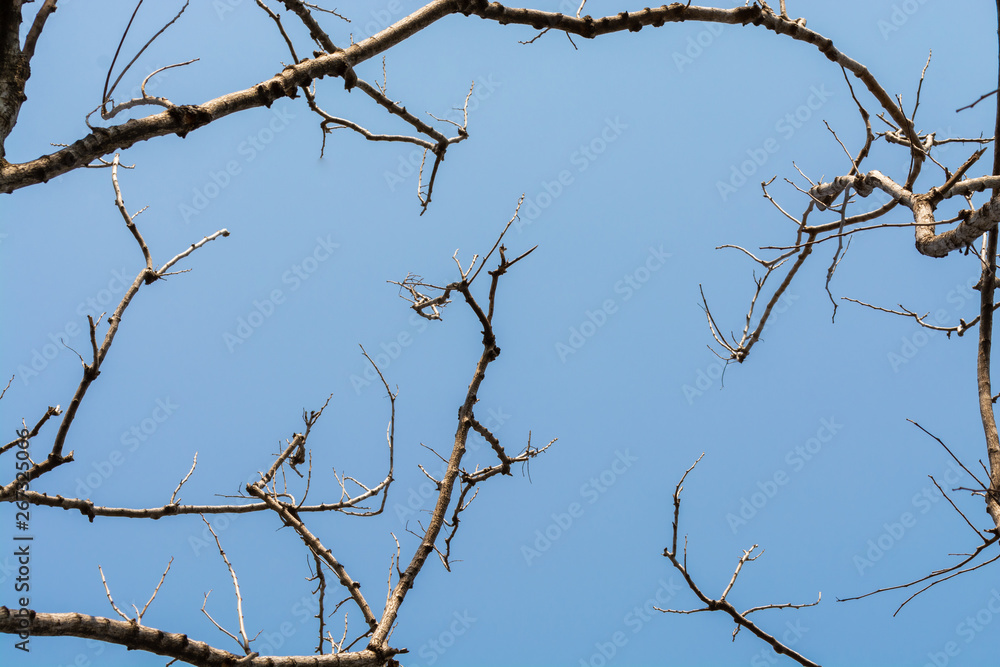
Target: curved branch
x=181, y=120
x=758, y=15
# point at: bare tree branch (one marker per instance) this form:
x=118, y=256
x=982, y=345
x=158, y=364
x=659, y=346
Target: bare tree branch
x=722, y=604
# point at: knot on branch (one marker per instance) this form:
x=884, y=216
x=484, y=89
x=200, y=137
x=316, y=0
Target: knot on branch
x=267, y=94
x=472, y=7
x=863, y=186
x=753, y=15
x=634, y=25
x=287, y=82
x=188, y=117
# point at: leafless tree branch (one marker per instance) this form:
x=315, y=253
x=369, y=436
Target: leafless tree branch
x=722, y=604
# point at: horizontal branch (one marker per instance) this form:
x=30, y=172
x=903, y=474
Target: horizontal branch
x=90, y=509
x=757, y=14
x=178, y=646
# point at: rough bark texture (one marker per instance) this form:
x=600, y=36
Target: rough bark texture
x=14, y=70
x=142, y=638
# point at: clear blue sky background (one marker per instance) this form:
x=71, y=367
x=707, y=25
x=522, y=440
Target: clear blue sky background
x=671, y=111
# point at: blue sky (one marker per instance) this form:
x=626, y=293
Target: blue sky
x=625, y=150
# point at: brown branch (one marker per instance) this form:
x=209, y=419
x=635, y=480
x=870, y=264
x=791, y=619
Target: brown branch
x=194, y=464
x=454, y=473
x=145, y=100
x=92, y=370
x=950, y=453
x=722, y=604
x=987, y=290
x=243, y=640
x=952, y=571
x=756, y=15
x=981, y=98
x=14, y=70
x=31, y=40
x=320, y=594
x=138, y=614
x=906, y=312
x=88, y=508
x=184, y=119
x=111, y=601
x=152, y=640
x=106, y=94
x=741, y=348
x=445, y=490
x=51, y=412
x=955, y=507
x=973, y=223
x=129, y=219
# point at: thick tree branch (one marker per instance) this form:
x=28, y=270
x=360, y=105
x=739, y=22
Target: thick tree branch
x=37, y=26
x=14, y=70
x=987, y=288
x=178, y=646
